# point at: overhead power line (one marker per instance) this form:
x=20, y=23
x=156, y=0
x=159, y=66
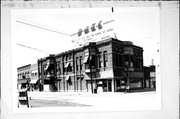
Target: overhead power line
x=22, y=22
x=32, y=48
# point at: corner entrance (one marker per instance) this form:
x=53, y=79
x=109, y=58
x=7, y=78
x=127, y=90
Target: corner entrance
x=107, y=85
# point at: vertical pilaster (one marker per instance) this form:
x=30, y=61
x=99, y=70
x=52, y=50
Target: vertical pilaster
x=113, y=85
x=107, y=85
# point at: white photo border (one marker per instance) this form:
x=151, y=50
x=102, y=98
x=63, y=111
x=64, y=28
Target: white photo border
x=7, y=102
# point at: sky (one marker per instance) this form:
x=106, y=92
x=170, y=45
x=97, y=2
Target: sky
x=139, y=25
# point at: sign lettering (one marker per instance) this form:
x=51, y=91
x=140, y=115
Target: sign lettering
x=95, y=32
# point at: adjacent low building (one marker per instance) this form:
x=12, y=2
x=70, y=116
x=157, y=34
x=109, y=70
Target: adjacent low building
x=23, y=76
x=34, y=77
x=150, y=76
x=27, y=77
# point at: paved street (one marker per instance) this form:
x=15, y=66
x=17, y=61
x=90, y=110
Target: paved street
x=84, y=99
x=53, y=103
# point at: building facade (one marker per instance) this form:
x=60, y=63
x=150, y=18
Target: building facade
x=150, y=76
x=110, y=65
x=27, y=76
x=23, y=76
x=33, y=84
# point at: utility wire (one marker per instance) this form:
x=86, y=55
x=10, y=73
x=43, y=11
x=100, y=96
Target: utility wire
x=42, y=27
x=31, y=48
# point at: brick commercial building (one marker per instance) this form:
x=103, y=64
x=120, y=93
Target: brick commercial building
x=110, y=65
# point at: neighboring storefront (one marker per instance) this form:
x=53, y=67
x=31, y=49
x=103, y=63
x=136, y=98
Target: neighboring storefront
x=23, y=76
x=27, y=77
x=33, y=84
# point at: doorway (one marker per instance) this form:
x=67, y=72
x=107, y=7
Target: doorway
x=107, y=85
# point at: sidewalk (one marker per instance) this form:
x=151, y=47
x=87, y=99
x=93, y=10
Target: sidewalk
x=142, y=90
x=43, y=94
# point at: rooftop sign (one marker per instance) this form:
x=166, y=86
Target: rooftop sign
x=96, y=32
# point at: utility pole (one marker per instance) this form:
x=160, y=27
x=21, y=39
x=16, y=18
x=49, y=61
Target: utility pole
x=127, y=65
x=128, y=82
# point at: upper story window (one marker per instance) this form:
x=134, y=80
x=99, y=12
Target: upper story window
x=141, y=64
x=68, y=66
x=116, y=63
x=81, y=63
x=59, y=67
x=77, y=64
x=92, y=61
x=23, y=76
x=100, y=58
x=128, y=50
x=105, y=57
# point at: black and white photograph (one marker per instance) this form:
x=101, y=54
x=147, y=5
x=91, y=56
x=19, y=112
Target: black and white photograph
x=96, y=59
x=89, y=60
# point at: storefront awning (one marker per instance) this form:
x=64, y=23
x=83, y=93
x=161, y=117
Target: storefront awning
x=107, y=74
x=134, y=74
x=23, y=81
x=100, y=75
x=67, y=77
x=33, y=81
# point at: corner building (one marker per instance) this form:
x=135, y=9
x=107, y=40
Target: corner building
x=106, y=66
